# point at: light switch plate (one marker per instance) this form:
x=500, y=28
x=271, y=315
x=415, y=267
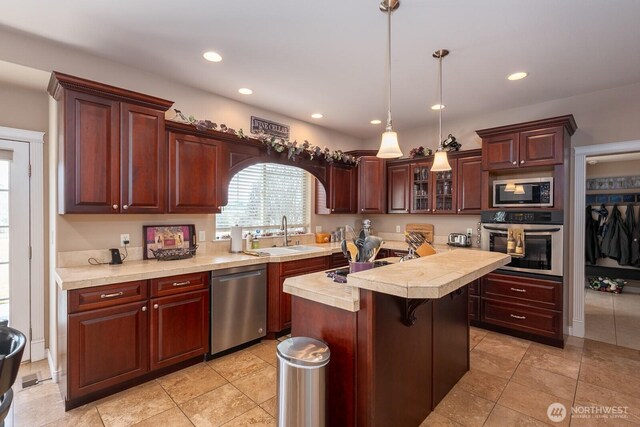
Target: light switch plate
x=469, y=231
x=318, y=229
x=202, y=236
x=398, y=229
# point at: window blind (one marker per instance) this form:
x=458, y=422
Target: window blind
x=261, y=194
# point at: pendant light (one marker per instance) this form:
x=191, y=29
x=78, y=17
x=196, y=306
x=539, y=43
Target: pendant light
x=440, y=160
x=519, y=189
x=510, y=187
x=389, y=148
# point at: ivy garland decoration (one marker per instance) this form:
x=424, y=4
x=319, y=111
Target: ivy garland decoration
x=273, y=144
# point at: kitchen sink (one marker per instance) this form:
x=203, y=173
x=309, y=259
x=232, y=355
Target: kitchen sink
x=289, y=250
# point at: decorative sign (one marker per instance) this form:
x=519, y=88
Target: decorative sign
x=278, y=130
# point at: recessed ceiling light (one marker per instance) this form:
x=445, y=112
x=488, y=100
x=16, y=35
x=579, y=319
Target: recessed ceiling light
x=375, y=122
x=518, y=76
x=245, y=91
x=317, y=115
x=592, y=162
x=438, y=107
x=212, y=56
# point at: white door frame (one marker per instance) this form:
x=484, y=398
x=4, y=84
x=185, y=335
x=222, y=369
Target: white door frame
x=579, y=205
x=36, y=234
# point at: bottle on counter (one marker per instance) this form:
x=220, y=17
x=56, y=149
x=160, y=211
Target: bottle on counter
x=249, y=241
x=511, y=243
x=519, y=249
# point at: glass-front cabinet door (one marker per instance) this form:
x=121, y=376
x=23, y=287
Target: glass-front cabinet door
x=421, y=187
x=444, y=189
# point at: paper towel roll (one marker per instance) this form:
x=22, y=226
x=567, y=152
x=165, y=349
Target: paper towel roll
x=236, y=239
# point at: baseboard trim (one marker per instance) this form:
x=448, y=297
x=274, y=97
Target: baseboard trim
x=55, y=373
x=577, y=329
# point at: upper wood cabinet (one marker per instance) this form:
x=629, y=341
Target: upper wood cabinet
x=341, y=194
x=421, y=188
x=530, y=144
x=469, y=185
x=193, y=169
x=398, y=187
x=112, y=148
x=372, y=188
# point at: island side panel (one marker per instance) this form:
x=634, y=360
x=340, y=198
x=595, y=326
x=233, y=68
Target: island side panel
x=337, y=328
x=450, y=341
x=394, y=362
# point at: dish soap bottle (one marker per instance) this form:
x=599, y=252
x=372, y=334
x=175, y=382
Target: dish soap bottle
x=249, y=241
x=511, y=243
x=519, y=248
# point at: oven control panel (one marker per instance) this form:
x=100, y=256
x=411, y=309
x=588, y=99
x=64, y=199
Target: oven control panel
x=522, y=217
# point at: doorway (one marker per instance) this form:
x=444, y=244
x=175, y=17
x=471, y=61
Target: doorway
x=14, y=236
x=578, y=274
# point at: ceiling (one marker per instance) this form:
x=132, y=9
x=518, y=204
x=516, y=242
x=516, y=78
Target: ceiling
x=302, y=57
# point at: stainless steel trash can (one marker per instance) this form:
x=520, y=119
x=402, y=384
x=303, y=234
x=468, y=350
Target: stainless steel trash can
x=302, y=365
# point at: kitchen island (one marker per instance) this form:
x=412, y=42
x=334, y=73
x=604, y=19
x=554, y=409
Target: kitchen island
x=398, y=334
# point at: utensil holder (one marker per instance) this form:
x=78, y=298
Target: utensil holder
x=354, y=267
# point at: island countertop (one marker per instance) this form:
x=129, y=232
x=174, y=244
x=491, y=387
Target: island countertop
x=430, y=277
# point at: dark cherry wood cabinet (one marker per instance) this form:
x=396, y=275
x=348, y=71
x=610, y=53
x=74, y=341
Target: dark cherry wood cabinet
x=474, y=300
x=278, y=301
x=521, y=305
x=398, y=188
x=193, y=179
x=179, y=328
x=469, y=185
x=341, y=194
x=372, y=186
x=114, y=336
x=107, y=346
x=413, y=188
x=524, y=145
x=112, y=148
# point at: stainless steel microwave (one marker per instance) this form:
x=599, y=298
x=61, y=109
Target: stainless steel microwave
x=522, y=193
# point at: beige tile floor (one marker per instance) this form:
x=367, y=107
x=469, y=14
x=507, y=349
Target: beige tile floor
x=613, y=318
x=511, y=383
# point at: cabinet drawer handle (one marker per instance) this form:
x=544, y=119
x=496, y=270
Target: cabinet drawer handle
x=156, y=306
x=521, y=161
x=515, y=163
x=519, y=290
x=113, y=295
x=187, y=282
x=144, y=308
x=115, y=206
x=518, y=317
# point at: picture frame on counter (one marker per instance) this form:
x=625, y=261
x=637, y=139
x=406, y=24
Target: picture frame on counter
x=165, y=237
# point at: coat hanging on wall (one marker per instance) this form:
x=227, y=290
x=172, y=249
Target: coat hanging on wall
x=635, y=238
x=592, y=245
x=616, y=242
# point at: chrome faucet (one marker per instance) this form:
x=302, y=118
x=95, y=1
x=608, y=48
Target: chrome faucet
x=283, y=226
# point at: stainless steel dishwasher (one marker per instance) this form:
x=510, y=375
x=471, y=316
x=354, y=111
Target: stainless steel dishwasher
x=238, y=306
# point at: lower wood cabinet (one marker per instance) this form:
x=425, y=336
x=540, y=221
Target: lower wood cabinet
x=531, y=307
x=278, y=301
x=107, y=346
x=116, y=334
x=179, y=328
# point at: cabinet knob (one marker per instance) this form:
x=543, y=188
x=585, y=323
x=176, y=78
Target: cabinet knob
x=361, y=210
x=515, y=163
x=125, y=207
x=144, y=308
x=155, y=306
x=115, y=206
x=521, y=161
x=458, y=209
x=332, y=210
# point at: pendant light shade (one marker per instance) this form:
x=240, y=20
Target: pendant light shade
x=440, y=160
x=510, y=187
x=389, y=148
x=519, y=189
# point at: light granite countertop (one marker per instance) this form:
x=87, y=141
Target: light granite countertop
x=86, y=276
x=430, y=277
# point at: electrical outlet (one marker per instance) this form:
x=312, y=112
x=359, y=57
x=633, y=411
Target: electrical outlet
x=123, y=238
x=469, y=231
x=202, y=236
x=398, y=229
x=318, y=229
